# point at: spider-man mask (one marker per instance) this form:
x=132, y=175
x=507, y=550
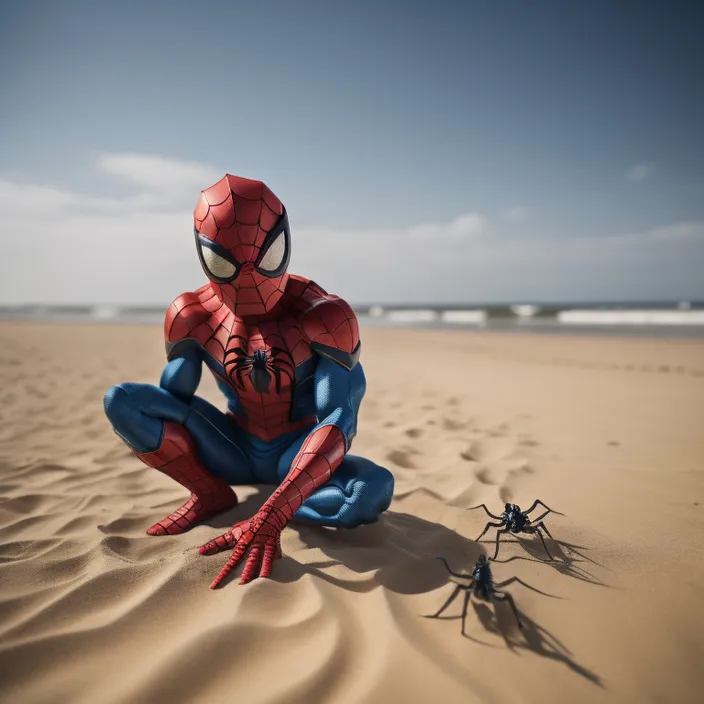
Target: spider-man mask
x=243, y=243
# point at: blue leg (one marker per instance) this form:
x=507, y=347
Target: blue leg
x=358, y=492
x=138, y=411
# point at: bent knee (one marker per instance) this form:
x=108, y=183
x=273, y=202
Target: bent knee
x=372, y=496
x=379, y=487
x=385, y=488
x=124, y=408
x=116, y=402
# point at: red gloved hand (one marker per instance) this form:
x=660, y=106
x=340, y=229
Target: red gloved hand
x=260, y=535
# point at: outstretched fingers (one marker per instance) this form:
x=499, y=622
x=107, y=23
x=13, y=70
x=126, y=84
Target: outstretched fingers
x=231, y=564
x=235, y=559
x=226, y=541
x=251, y=567
x=486, y=509
x=270, y=554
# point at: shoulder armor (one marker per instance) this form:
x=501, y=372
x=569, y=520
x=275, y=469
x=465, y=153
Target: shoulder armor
x=182, y=317
x=332, y=330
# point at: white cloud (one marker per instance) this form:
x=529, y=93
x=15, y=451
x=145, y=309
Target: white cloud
x=463, y=227
x=63, y=247
x=516, y=214
x=640, y=172
x=164, y=176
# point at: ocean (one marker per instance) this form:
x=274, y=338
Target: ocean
x=681, y=319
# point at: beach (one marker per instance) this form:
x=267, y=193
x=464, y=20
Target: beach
x=607, y=431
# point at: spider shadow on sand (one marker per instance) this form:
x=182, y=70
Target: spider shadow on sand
x=532, y=637
x=402, y=549
x=571, y=557
x=398, y=552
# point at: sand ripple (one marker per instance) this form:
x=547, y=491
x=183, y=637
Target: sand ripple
x=94, y=610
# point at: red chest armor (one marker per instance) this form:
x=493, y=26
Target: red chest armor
x=264, y=365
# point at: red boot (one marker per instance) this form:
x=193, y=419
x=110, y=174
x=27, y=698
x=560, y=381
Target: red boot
x=177, y=458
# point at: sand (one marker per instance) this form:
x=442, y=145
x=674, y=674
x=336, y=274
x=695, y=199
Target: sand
x=608, y=431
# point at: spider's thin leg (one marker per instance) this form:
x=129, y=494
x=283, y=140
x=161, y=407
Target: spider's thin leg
x=545, y=528
x=542, y=515
x=277, y=378
x=505, y=596
x=499, y=533
x=471, y=508
x=542, y=540
x=544, y=505
x=465, y=607
x=454, y=574
x=453, y=596
x=518, y=580
x=486, y=528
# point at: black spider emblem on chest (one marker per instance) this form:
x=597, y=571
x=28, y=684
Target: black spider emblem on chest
x=260, y=366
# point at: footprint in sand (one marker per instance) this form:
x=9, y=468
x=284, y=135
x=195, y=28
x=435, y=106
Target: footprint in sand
x=484, y=476
x=452, y=424
x=506, y=495
x=402, y=457
x=488, y=450
x=414, y=432
x=499, y=463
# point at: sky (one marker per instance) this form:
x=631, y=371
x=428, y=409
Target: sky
x=428, y=152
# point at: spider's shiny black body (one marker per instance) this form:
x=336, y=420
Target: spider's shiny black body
x=513, y=520
x=482, y=587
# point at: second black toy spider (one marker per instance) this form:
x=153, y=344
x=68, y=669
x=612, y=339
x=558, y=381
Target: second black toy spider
x=513, y=520
x=481, y=585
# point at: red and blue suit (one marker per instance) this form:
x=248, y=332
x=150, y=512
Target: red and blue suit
x=286, y=356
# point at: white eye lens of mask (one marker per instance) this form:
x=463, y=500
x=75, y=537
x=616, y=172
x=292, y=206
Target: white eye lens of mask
x=274, y=255
x=217, y=266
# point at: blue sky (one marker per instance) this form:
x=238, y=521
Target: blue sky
x=444, y=151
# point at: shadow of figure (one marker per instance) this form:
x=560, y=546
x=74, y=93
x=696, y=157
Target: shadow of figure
x=246, y=508
x=397, y=552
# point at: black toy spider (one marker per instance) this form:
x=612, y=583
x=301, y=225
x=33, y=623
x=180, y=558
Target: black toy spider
x=517, y=521
x=481, y=585
x=260, y=366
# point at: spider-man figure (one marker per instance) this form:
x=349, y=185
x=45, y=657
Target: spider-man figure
x=286, y=355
